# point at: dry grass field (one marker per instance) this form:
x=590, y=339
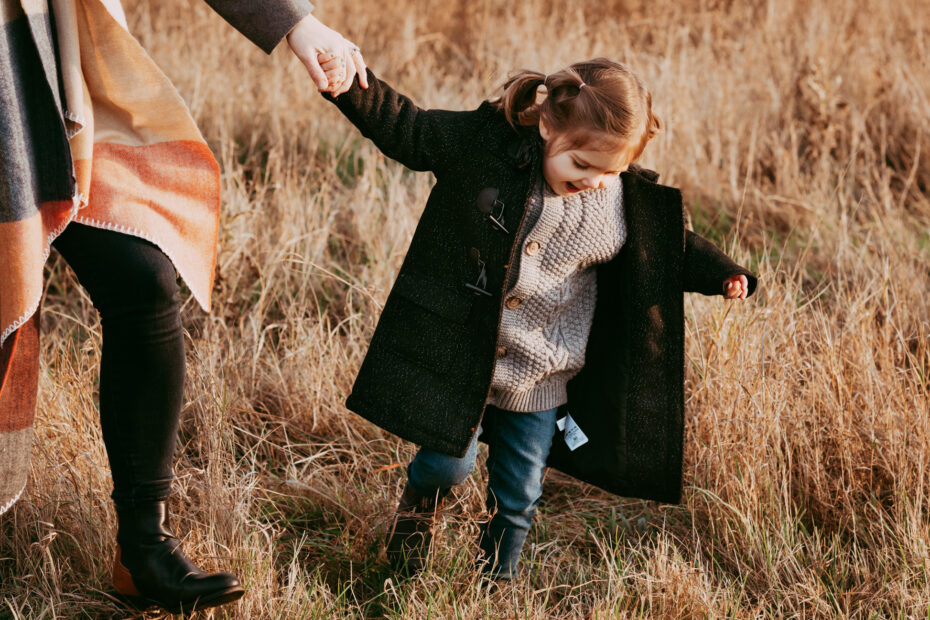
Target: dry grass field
x=799, y=133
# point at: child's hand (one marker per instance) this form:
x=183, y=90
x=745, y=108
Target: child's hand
x=334, y=67
x=736, y=287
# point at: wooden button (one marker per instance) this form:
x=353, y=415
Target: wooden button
x=514, y=302
x=532, y=248
x=501, y=351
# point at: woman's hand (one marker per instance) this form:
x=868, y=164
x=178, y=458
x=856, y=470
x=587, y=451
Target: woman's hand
x=736, y=287
x=310, y=38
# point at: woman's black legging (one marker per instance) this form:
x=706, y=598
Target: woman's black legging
x=134, y=287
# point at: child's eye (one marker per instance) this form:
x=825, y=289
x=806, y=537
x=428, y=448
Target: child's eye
x=580, y=166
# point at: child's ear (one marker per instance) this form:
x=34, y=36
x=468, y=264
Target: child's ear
x=544, y=131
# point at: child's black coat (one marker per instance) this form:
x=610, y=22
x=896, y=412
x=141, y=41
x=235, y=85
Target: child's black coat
x=428, y=369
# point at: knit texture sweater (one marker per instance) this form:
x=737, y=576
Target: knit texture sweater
x=551, y=294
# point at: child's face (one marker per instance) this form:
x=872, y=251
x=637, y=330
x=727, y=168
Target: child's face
x=574, y=170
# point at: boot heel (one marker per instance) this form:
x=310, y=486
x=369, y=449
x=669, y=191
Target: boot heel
x=124, y=587
x=122, y=580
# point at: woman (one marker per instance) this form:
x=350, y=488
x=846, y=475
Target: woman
x=100, y=158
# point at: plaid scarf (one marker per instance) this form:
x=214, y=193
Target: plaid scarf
x=90, y=131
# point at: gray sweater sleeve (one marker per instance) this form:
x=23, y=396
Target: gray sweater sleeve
x=264, y=23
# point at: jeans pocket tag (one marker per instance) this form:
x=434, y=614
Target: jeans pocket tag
x=574, y=436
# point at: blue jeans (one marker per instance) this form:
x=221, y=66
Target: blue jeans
x=518, y=445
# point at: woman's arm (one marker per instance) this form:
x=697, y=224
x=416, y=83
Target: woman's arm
x=708, y=270
x=420, y=139
x=267, y=22
x=263, y=23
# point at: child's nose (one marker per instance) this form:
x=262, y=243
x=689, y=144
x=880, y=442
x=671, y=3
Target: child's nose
x=597, y=182
x=592, y=182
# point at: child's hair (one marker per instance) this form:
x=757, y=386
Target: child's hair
x=584, y=103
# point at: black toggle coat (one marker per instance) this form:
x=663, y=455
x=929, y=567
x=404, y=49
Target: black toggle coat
x=427, y=373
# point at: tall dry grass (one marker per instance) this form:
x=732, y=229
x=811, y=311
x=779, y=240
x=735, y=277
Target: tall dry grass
x=799, y=133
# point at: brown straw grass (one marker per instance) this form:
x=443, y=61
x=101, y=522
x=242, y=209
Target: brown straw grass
x=799, y=133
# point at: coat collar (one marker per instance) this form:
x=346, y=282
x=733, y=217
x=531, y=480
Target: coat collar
x=525, y=146
x=519, y=146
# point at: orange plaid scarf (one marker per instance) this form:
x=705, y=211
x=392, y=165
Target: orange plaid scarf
x=140, y=167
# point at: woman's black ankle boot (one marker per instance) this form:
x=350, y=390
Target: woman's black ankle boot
x=151, y=567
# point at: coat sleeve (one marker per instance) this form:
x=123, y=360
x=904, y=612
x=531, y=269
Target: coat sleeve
x=263, y=23
x=706, y=267
x=419, y=139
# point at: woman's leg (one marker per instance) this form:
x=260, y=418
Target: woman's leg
x=134, y=287
x=517, y=453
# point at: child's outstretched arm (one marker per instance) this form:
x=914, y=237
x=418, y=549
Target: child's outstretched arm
x=709, y=271
x=420, y=139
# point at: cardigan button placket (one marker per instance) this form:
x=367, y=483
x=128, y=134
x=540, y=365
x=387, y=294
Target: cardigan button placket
x=532, y=248
x=514, y=302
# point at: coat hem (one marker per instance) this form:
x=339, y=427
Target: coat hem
x=420, y=435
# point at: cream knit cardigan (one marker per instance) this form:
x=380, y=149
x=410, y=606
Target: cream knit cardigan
x=552, y=290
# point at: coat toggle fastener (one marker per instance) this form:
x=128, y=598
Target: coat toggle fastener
x=493, y=208
x=481, y=281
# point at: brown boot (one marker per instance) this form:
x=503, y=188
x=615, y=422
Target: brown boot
x=410, y=536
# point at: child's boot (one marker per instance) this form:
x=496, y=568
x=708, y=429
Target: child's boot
x=409, y=539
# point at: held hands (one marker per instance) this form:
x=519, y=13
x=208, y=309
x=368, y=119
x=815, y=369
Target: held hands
x=736, y=287
x=313, y=42
x=340, y=78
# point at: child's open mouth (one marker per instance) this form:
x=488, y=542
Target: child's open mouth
x=571, y=188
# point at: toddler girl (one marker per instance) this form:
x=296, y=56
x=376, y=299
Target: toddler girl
x=539, y=305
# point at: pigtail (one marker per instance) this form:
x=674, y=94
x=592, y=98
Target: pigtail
x=597, y=102
x=653, y=122
x=519, y=98
x=563, y=87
